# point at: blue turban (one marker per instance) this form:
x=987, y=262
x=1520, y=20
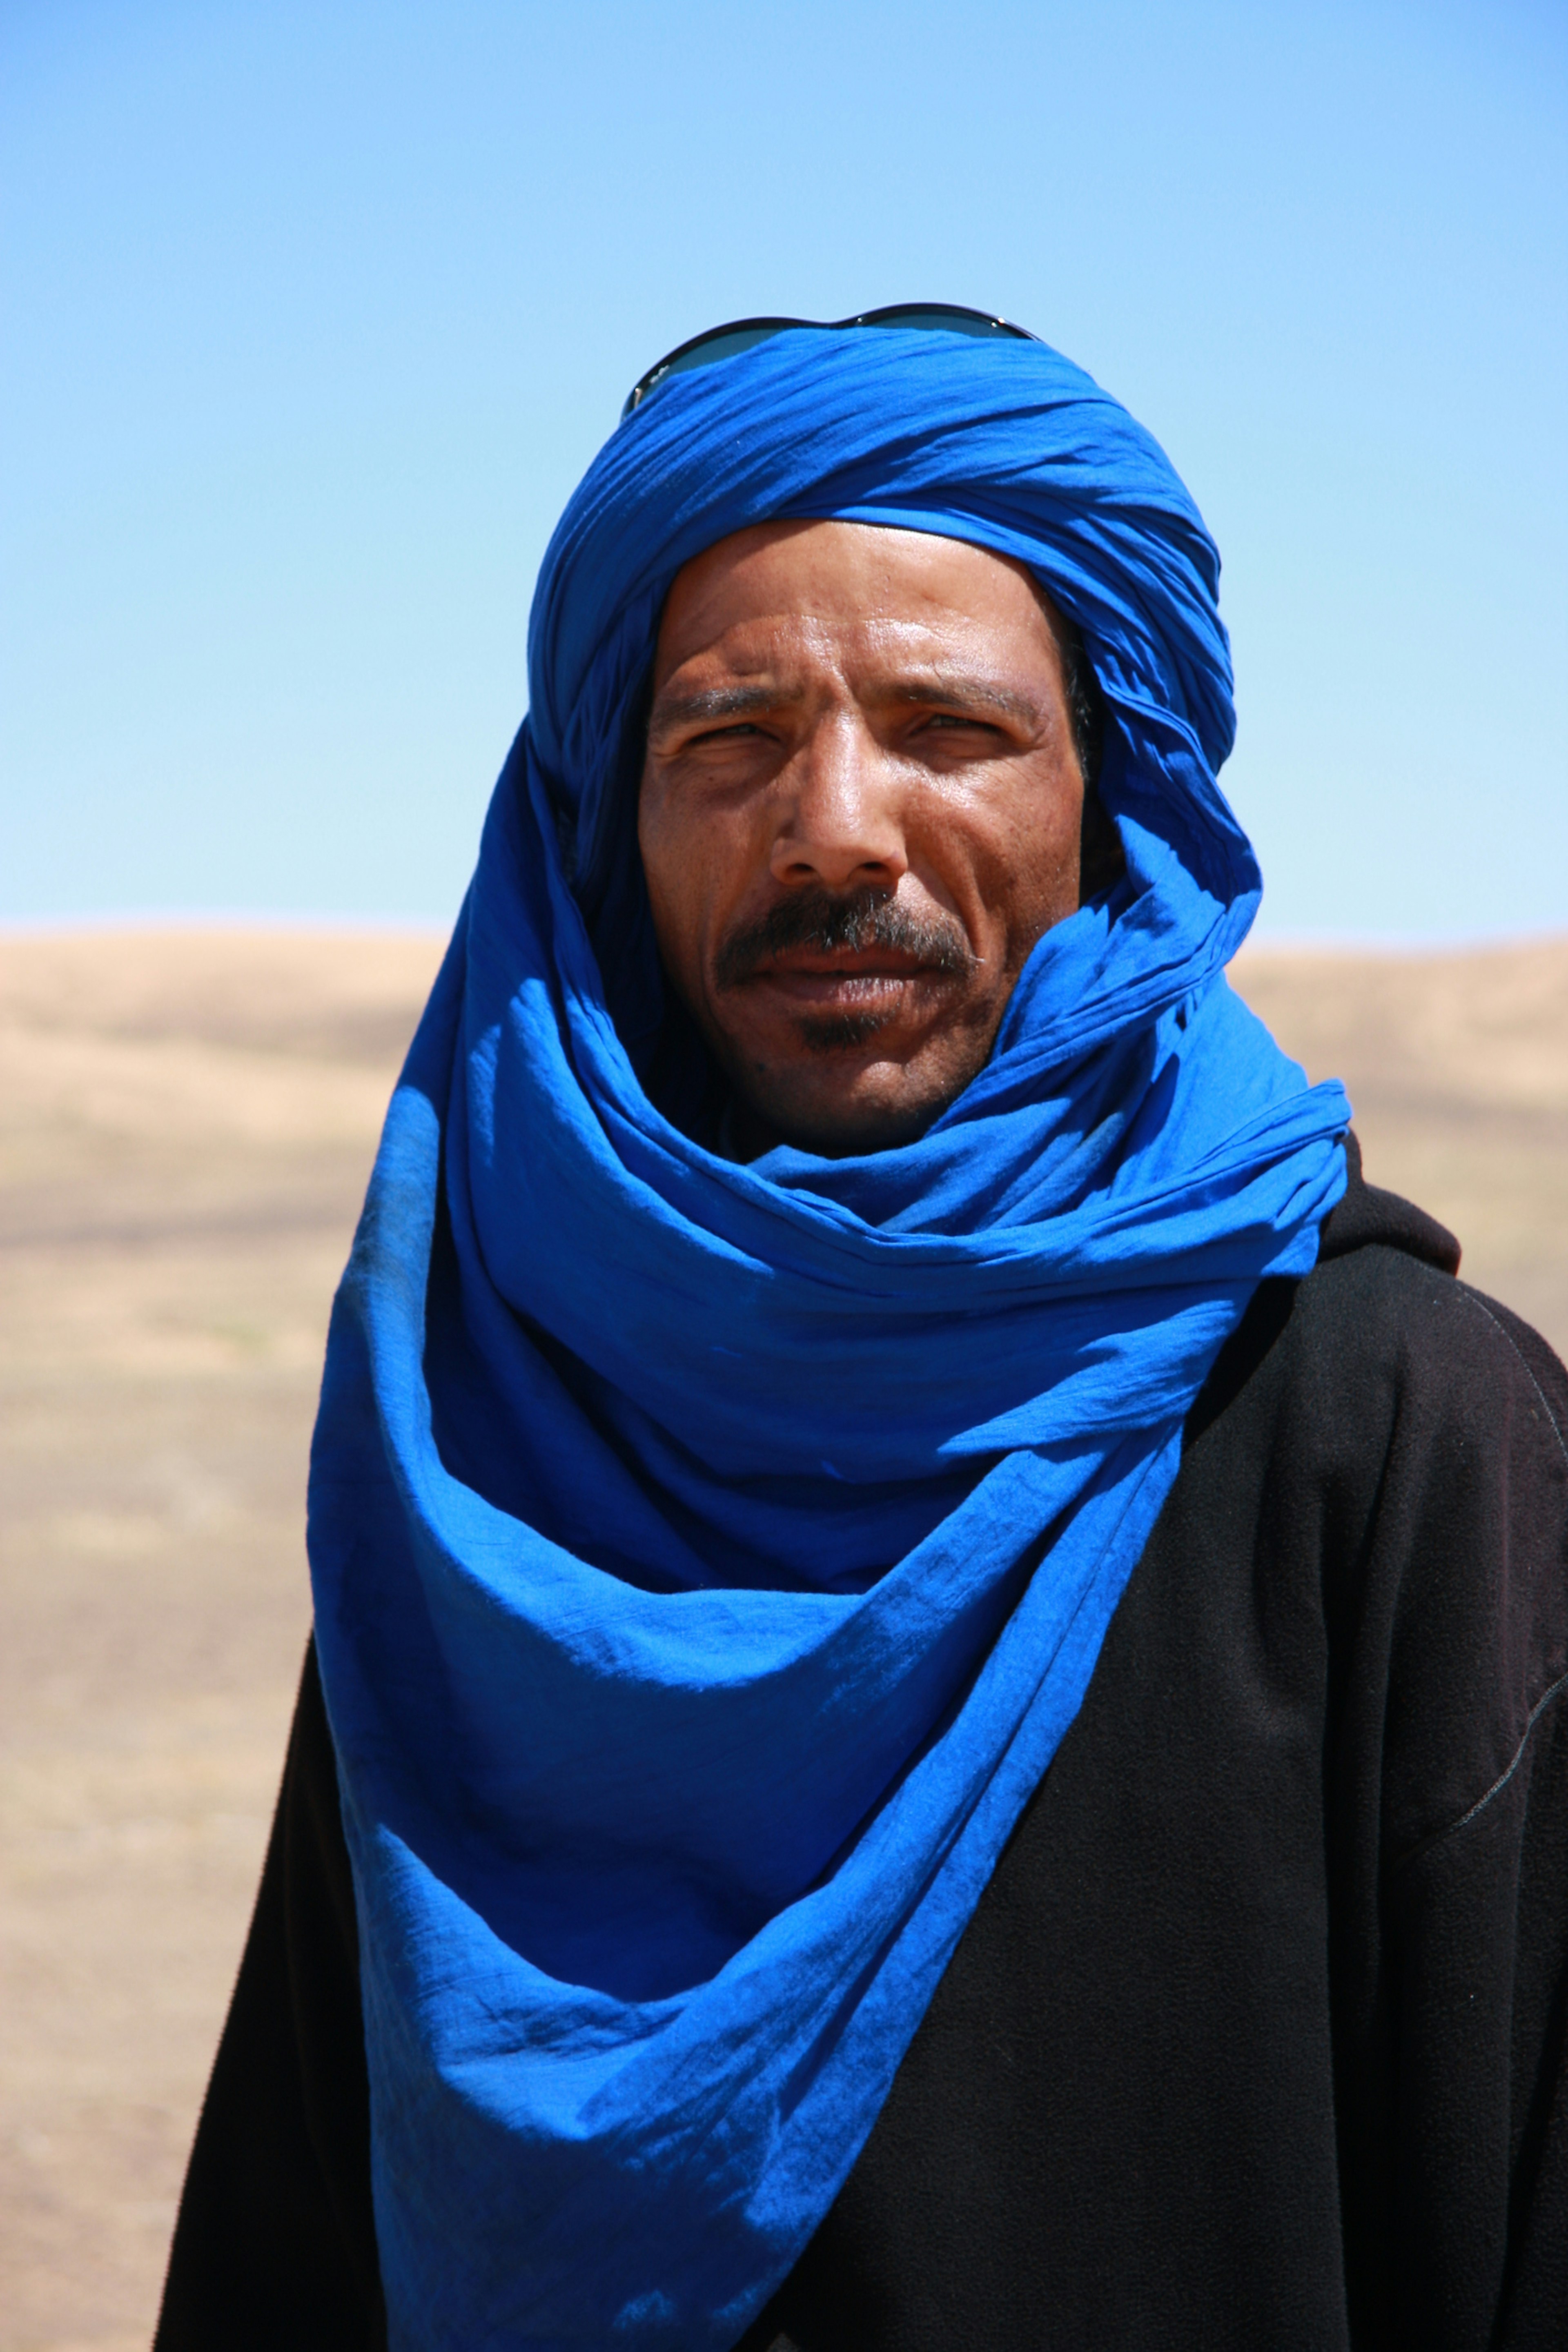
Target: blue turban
x=710, y=1559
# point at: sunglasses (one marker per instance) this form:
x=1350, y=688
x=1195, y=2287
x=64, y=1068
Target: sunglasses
x=740, y=334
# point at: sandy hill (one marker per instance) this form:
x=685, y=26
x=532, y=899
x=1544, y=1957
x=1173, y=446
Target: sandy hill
x=186, y=1122
x=1457, y=1069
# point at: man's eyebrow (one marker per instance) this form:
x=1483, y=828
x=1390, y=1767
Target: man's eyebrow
x=715, y=702
x=961, y=692
x=712, y=705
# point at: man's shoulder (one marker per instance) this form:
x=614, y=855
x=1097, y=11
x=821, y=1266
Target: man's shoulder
x=1380, y=1311
x=1384, y=1337
x=1384, y=1314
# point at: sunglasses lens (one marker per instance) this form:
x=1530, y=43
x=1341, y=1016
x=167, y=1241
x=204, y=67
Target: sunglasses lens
x=722, y=347
x=703, y=350
x=938, y=318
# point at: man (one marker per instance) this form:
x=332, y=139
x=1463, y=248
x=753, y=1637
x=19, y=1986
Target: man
x=944, y=1642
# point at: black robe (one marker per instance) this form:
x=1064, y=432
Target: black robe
x=1256, y=2037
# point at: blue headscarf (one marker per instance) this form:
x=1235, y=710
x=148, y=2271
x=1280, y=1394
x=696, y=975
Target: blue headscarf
x=710, y=1559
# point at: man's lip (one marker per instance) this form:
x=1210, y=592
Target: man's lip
x=844, y=963
x=806, y=979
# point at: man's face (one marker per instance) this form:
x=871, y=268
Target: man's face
x=860, y=808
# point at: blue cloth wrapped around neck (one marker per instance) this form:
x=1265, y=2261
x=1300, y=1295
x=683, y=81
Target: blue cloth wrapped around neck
x=710, y=1559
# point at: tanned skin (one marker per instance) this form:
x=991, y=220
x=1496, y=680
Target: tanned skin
x=860, y=807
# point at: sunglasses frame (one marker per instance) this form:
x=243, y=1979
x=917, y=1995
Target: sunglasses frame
x=760, y=330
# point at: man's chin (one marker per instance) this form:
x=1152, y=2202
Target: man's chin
x=839, y=1032
x=838, y=1122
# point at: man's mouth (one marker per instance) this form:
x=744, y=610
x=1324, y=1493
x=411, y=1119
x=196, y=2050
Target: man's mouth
x=857, y=955
x=863, y=981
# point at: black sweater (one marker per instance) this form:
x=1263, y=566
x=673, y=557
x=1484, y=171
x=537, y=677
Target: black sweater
x=1256, y=2037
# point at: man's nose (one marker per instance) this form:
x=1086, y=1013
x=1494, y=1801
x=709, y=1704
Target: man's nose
x=842, y=822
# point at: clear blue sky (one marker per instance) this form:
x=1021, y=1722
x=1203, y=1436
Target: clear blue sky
x=314, y=313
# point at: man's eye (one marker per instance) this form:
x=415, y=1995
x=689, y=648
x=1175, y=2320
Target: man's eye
x=948, y=720
x=724, y=734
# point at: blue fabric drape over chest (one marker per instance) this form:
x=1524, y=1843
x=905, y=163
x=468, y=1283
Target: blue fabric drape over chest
x=707, y=1558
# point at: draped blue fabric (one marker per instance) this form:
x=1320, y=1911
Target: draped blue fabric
x=709, y=1559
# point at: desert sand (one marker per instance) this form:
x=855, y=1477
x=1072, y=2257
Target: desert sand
x=187, y=1123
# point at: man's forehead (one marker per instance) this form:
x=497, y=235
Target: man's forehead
x=778, y=600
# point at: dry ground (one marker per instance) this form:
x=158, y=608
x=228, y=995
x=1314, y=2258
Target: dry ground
x=186, y=1127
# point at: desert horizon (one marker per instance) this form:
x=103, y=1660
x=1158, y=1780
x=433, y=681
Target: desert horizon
x=187, y=1119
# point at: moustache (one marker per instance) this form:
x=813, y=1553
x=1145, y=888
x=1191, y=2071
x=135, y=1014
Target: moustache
x=829, y=925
